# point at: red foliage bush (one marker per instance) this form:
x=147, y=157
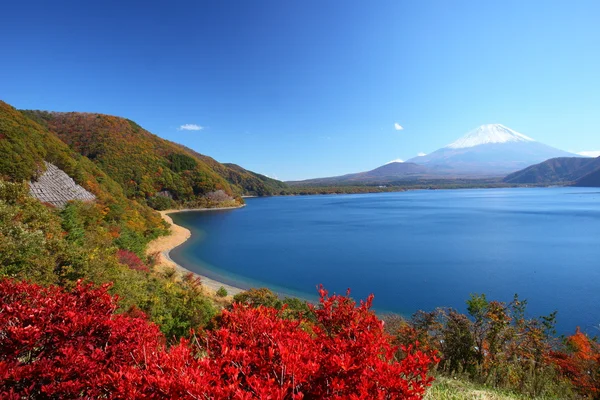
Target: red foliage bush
x=71, y=345
x=56, y=344
x=131, y=259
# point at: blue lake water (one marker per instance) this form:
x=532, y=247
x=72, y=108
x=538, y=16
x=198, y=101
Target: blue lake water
x=413, y=250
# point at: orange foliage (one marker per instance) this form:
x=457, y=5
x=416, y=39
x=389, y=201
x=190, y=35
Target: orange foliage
x=582, y=364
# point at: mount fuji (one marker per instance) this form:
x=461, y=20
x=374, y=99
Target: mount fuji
x=489, y=150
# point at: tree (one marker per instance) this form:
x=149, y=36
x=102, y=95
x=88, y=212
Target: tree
x=581, y=363
x=222, y=292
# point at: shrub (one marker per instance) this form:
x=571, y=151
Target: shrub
x=72, y=345
x=65, y=345
x=31, y=237
x=581, y=363
x=222, y=292
x=497, y=346
x=161, y=203
x=258, y=297
x=178, y=307
x=131, y=259
x=131, y=240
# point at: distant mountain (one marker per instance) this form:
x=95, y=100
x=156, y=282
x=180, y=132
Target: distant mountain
x=590, y=180
x=555, y=171
x=144, y=164
x=391, y=172
x=489, y=150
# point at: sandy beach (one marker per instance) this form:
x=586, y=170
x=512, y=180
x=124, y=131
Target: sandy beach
x=164, y=244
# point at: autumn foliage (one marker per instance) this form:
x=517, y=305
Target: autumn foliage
x=144, y=164
x=57, y=344
x=72, y=345
x=581, y=365
x=131, y=259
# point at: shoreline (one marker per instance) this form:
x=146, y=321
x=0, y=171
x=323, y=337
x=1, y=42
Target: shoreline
x=179, y=235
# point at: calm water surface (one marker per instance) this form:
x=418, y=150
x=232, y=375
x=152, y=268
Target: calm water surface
x=413, y=250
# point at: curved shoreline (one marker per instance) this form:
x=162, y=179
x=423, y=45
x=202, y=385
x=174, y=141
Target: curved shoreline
x=179, y=235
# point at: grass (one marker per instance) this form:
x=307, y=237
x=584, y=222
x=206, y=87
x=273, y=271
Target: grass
x=456, y=389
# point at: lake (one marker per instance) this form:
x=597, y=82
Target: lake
x=413, y=250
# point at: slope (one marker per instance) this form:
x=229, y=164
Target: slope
x=590, y=180
x=243, y=182
x=27, y=146
x=142, y=163
x=253, y=182
x=391, y=172
x=555, y=171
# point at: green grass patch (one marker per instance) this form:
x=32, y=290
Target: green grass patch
x=457, y=389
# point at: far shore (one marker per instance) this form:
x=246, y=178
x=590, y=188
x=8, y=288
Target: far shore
x=164, y=244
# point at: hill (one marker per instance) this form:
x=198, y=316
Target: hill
x=555, y=171
x=252, y=182
x=27, y=147
x=590, y=180
x=391, y=172
x=243, y=181
x=145, y=165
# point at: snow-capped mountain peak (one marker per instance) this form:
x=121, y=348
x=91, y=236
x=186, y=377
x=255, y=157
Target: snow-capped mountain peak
x=487, y=134
x=397, y=160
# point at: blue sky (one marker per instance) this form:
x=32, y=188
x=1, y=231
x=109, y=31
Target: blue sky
x=301, y=89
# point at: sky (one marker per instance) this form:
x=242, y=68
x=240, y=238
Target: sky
x=312, y=88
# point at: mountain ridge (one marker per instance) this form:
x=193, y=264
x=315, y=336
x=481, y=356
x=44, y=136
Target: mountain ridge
x=564, y=170
x=27, y=149
x=382, y=175
x=590, y=180
x=145, y=165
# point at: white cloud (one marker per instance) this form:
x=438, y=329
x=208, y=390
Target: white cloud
x=590, y=153
x=421, y=154
x=393, y=161
x=190, y=127
x=397, y=126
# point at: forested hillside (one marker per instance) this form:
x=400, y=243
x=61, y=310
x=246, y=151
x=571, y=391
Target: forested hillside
x=254, y=182
x=243, y=181
x=25, y=145
x=147, y=166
